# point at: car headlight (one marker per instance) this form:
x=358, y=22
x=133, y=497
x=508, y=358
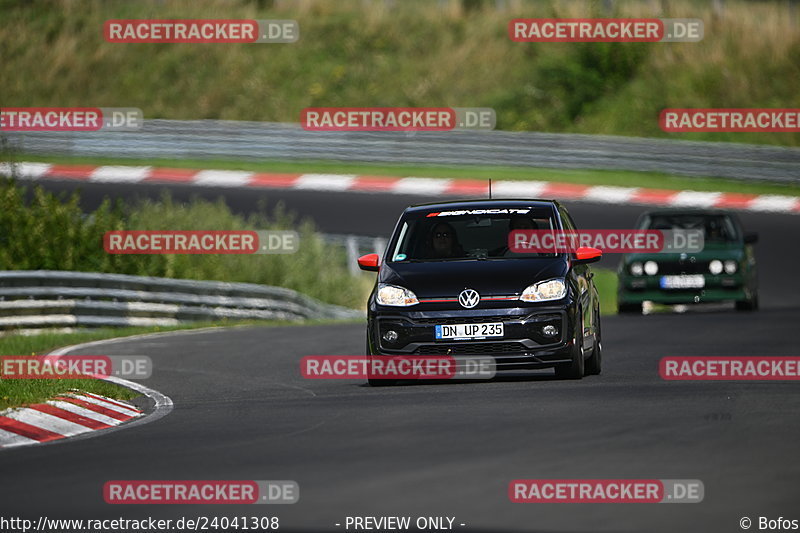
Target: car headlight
x=636, y=269
x=395, y=296
x=730, y=267
x=553, y=289
x=651, y=268
x=715, y=267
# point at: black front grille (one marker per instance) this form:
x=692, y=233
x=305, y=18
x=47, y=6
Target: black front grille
x=486, y=348
x=687, y=267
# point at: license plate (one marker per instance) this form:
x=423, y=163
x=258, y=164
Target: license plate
x=697, y=281
x=469, y=331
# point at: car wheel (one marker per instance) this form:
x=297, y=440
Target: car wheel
x=751, y=304
x=381, y=382
x=575, y=368
x=629, y=308
x=377, y=382
x=595, y=362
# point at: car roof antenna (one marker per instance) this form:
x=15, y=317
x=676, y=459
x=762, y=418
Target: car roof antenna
x=490, y=188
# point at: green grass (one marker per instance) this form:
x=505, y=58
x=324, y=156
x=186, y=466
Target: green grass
x=606, y=282
x=616, y=178
x=417, y=53
x=21, y=392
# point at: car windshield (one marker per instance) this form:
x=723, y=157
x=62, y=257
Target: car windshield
x=716, y=228
x=468, y=234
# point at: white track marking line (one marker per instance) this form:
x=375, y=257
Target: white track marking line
x=324, y=182
x=612, y=195
x=774, y=202
x=26, y=170
x=222, y=178
x=119, y=174
x=695, y=199
x=420, y=186
x=518, y=189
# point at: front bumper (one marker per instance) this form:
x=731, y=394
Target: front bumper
x=718, y=288
x=523, y=344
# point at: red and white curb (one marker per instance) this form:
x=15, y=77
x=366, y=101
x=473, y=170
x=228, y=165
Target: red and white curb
x=81, y=414
x=64, y=416
x=410, y=185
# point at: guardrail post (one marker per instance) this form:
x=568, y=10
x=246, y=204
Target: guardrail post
x=379, y=245
x=351, y=245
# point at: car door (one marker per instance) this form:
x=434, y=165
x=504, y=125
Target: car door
x=587, y=293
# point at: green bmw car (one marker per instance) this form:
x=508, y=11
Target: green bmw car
x=725, y=270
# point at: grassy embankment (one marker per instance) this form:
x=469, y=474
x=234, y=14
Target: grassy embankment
x=410, y=53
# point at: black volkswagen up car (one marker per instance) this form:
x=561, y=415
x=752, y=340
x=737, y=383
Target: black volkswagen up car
x=448, y=284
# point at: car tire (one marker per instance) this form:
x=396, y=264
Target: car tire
x=377, y=382
x=750, y=304
x=575, y=368
x=594, y=365
x=381, y=382
x=629, y=308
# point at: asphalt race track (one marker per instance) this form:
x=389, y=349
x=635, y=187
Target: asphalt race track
x=242, y=411
x=376, y=214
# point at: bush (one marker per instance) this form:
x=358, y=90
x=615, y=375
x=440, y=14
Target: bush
x=40, y=230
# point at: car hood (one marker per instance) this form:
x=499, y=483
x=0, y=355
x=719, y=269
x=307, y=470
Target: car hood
x=488, y=277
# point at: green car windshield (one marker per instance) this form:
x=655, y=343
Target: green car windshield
x=716, y=228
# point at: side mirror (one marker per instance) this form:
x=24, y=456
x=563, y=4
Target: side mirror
x=750, y=238
x=585, y=255
x=369, y=262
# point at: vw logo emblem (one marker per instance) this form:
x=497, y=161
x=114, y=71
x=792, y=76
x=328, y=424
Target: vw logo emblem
x=469, y=298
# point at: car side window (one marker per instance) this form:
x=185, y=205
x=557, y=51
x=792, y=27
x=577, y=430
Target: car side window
x=566, y=220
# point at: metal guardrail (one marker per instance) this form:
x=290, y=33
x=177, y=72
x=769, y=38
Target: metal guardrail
x=205, y=139
x=355, y=246
x=47, y=298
